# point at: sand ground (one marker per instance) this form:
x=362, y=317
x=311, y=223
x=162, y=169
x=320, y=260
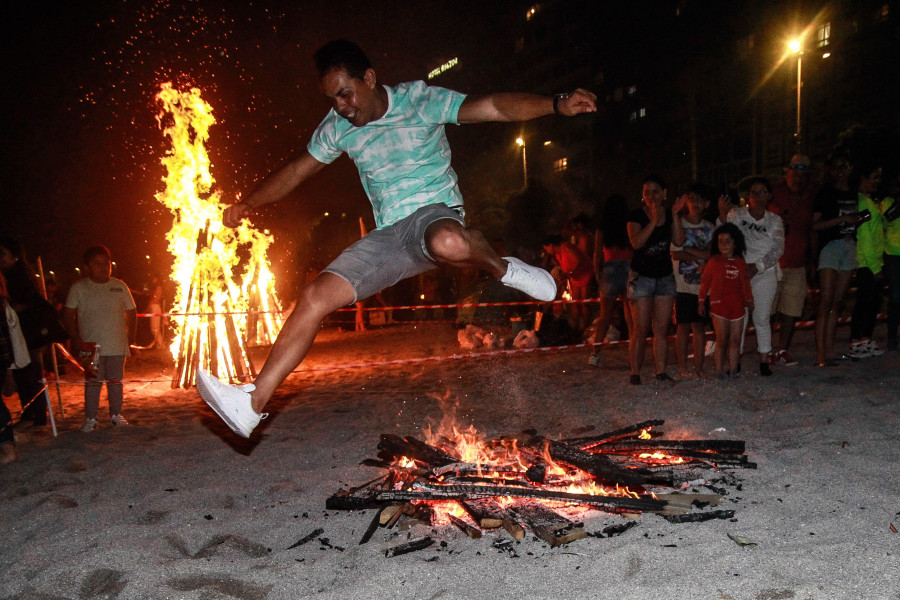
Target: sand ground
x=176, y=506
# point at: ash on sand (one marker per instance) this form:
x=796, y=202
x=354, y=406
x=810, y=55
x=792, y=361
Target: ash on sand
x=175, y=506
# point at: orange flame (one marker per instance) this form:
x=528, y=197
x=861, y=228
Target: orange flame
x=224, y=310
x=470, y=447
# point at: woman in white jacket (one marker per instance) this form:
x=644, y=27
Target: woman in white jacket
x=764, y=234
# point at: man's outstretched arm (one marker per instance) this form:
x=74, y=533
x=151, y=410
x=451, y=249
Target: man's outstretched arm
x=273, y=188
x=513, y=106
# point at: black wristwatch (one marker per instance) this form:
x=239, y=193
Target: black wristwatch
x=556, y=99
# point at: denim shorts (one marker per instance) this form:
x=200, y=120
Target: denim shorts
x=614, y=282
x=839, y=255
x=388, y=255
x=650, y=287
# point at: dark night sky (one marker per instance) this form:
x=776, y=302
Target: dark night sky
x=82, y=147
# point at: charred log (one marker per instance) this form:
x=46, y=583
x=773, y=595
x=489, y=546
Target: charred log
x=408, y=547
x=672, y=446
x=469, y=492
x=394, y=446
x=696, y=517
x=618, y=434
x=472, y=532
x=602, y=467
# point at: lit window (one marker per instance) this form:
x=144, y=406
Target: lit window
x=632, y=90
x=885, y=12
x=642, y=113
x=823, y=35
x=632, y=117
x=561, y=165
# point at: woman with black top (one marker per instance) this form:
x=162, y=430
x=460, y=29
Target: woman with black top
x=835, y=219
x=651, y=285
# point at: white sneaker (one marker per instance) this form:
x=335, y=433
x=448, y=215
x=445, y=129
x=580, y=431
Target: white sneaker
x=230, y=402
x=534, y=281
x=860, y=350
x=119, y=420
x=89, y=425
x=594, y=360
x=872, y=347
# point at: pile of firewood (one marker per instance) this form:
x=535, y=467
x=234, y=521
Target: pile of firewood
x=640, y=469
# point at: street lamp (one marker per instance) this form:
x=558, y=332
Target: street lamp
x=797, y=48
x=521, y=142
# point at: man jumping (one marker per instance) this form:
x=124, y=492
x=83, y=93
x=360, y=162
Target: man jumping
x=395, y=136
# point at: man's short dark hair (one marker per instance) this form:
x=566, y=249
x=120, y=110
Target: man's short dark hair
x=341, y=54
x=98, y=250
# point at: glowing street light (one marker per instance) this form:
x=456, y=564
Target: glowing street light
x=521, y=142
x=796, y=47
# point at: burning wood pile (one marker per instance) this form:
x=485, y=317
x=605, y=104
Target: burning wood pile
x=534, y=483
x=225, y=292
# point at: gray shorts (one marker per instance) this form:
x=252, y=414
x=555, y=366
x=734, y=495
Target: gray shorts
x=839, y=254
x=614, y=283
x=385, y=256
x=640, y=286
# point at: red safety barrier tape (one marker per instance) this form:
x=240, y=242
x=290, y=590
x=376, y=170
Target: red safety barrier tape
x=377, y=308
x=406, y=307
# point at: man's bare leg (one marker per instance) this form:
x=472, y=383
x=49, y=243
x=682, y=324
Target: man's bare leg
x=325, y=294
x=450, y=243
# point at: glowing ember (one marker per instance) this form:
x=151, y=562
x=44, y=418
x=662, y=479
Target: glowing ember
x=225, y=288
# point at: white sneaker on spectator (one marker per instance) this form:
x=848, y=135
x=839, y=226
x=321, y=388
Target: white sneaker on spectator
x=860, y=350
x=534, y=281
x=119, y=420
x=872, y=347
x=231, y=402
x=89, y=425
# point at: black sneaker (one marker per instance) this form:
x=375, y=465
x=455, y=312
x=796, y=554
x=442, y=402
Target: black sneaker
x=634, y=380
x=764, y=369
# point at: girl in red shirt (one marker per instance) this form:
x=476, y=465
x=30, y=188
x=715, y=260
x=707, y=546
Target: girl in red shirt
x=725, y=280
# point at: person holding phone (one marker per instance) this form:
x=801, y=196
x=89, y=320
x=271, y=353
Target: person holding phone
x=835, y=218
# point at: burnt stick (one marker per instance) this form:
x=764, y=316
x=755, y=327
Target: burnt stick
x=408, y=547
x=636, y=446
x=602, y=467
x=410, y=447
x=618, y=434
x=472, y=532
x=468, y=492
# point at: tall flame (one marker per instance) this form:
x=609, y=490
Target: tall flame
x=225, y=288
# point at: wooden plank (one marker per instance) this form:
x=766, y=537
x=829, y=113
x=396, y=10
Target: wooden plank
x=486, y=512
x=548, y=525
x=472, y=532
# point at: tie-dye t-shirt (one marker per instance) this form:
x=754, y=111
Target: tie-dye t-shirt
x=403, y=158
